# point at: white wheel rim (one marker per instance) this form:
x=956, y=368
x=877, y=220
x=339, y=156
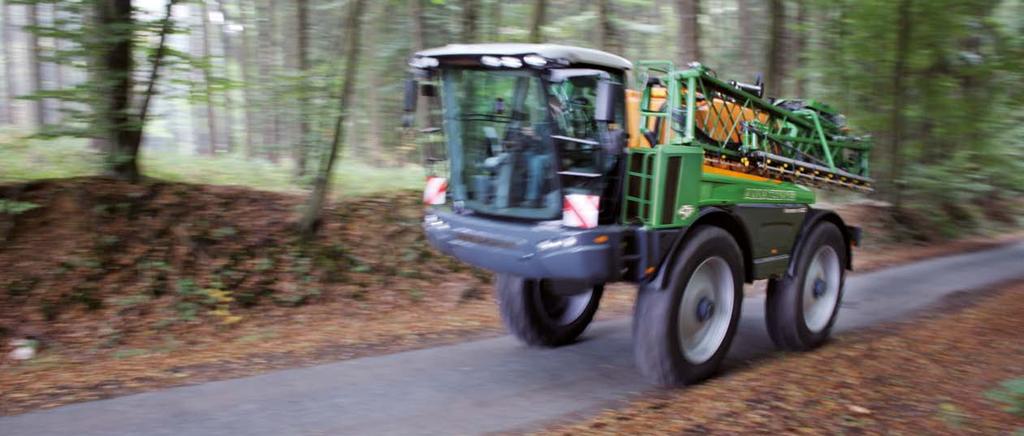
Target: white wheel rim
x=705, y=310
x=564, y=310
x=821, y=288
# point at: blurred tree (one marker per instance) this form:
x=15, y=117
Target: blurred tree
x=265, y=57
x=496, y=20
x=776, y=60
x=538, y=20
x=469, y=21
x=114, y=62
x=899, y=71
x=309, y=223
x=689, y=31
x=35, y=66
x=206, y=66
x=302, y=29
x=610, y=40
x=798, y=54
x=249, y=74
x=746, y=32
x=7, y=111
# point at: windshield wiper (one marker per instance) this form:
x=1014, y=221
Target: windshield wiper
x=486, y=117
x=576, y=140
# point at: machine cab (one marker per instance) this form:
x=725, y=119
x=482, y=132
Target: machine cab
x=524, y=126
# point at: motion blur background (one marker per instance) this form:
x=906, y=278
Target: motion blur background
x=248, y=91
x=126, y=264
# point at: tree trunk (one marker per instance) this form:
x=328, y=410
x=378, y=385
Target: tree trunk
x=372, y=143
x=689, y=28
x=537, y=22
x=469, y=21
x=301, y=149
x=799, y=48
x=228, y=113
x=58, y=16
x=276, y=55
x=897, y=120
x=746, y=37
x=496, y=20
x=311, y=217
x=7, y=110
x=114, y=60
x=419, y=43
x=36, y=66
x=245, y=61
x=609, y=37
x=418, y=26
x=211, y=113
x=265, y=59
x=776, y=48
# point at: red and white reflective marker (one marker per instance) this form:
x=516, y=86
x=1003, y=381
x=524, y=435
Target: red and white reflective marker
x=580, y=210
x=435, y=191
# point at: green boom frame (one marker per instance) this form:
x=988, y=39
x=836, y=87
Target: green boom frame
x=782, y=145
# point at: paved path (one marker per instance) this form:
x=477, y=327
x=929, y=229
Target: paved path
x=481, y=386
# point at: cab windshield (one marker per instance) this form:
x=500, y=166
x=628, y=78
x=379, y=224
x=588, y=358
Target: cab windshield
x=517, y=140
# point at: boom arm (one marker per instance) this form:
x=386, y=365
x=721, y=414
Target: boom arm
x=801, y=141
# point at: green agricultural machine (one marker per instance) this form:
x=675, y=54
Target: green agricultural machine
x=545, y=169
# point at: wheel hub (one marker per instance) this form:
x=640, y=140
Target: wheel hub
x=820, y=286
x=705, y=308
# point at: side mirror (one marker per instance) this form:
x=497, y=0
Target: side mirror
x=608, y=95
x=411, y=92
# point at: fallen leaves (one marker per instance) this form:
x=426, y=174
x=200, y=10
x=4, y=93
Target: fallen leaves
x=933, y=375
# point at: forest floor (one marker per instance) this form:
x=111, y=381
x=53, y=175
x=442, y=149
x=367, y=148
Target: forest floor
x=957, y=370
x=137, y=287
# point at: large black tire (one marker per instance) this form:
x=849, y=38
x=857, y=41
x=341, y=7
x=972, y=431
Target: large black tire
x=792, y=325
x=539, y=317
x=659, y=351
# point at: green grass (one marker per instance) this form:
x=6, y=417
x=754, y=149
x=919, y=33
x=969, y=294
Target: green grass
x=24, y=160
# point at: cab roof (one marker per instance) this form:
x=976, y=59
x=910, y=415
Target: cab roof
x=575, y=55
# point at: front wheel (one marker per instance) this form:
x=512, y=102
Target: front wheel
x=682, y=332
x=801, y=308
x=543, y=313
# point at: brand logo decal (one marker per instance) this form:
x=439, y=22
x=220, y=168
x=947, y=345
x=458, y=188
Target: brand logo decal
x=768, y=194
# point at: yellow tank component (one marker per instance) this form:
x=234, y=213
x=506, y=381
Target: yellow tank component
x=708, y=169
x=657, y=101
x=719, y=119
x=723, y=120
x=633, y=119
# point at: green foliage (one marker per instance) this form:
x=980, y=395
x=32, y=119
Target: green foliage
x=1010, y=395
x=22, y=160
x=11, y=207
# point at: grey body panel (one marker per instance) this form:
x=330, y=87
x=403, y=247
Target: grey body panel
x=511, y=247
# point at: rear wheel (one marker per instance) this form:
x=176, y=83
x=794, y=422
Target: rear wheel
x=682, y=333
x=544, y=313
x=802, y=308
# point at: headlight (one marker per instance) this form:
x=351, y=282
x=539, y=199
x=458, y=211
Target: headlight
x=424, y=62
x=552, y=244
x=535, y=60
x=490, y=61
x=511, y=62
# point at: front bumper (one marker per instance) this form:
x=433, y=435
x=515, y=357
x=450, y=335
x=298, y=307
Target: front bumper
x=536, y=250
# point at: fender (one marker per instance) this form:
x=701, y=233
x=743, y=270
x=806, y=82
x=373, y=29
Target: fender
x=851, y=235
x=712, y=215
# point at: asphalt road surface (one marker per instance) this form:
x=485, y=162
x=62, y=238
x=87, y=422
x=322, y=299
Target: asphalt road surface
x=482, y=386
